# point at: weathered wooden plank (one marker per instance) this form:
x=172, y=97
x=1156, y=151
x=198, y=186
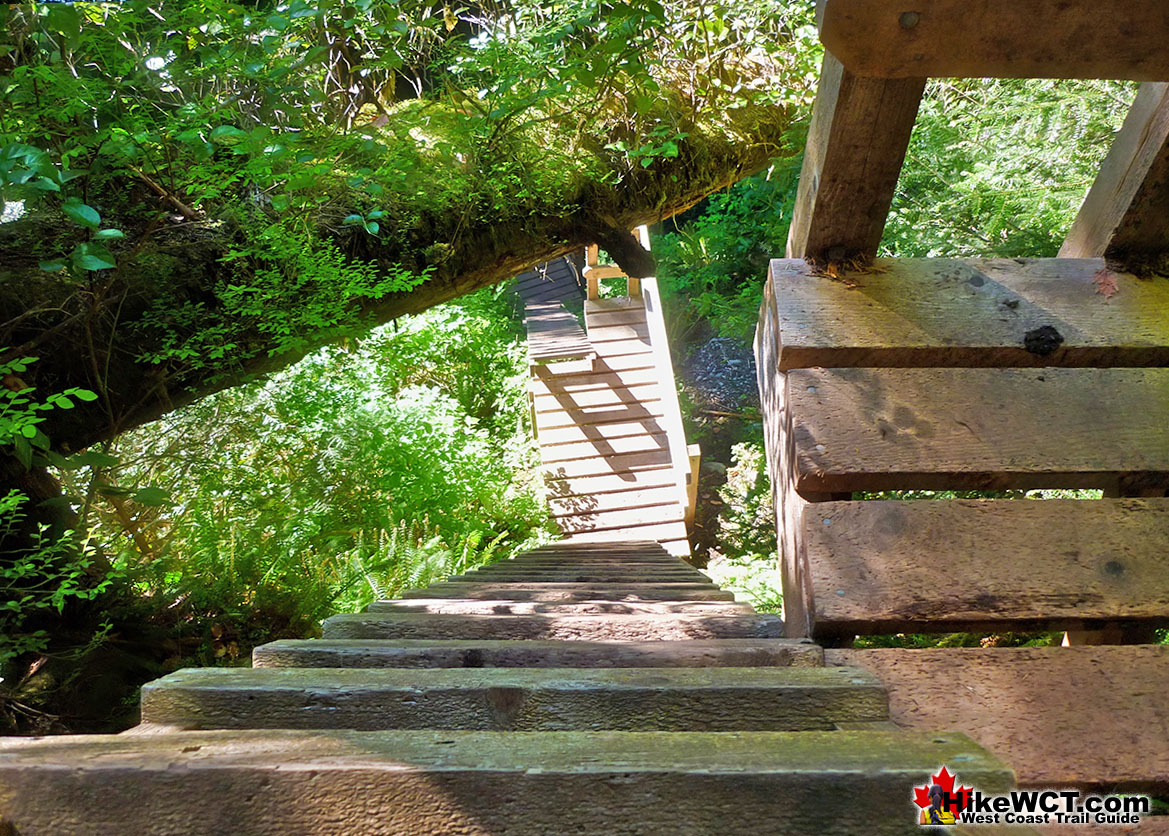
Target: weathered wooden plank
x=603, y=447
x=618, y=316
x=1125, y=217
x=609, y=483
x=585, y=627
x=922, y=566
x=587, y=504
x=600, y=365
x=278, y=783
x=617, y=333
x=599, y=380
x=856, y=143
x=601, y=306
x=1061, y=716
x=574, y=591
x=620, y=519
x=610, y=397
x=533, y=653
x=672, y=536
x=621, y=463
x=599, y=432
x=966, y=312
x=518, y=699
x=588, y=416
x=999, y=38
x=620, y=348
x=778, y=442
x=931, y=429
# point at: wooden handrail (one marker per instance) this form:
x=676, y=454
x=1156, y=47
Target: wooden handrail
x=680, y=460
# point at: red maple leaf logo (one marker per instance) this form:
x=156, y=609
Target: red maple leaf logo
x=961, y=796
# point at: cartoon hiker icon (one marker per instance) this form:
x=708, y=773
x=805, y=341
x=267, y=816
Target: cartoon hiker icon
x=935, y=814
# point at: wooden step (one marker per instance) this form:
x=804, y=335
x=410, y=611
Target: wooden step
x=601, y=364
x=255, y=783
x=619, y=520
x=921, y=566
x=606, y=332
x=574, y=591
x=597, y=380
x=599, y=434
x=586, y=627
x=521, y=699
x=934, y=312
x=619, y=463
x=486, y=653
x=1061, y=716
x=671, y=535
x=551, y=454
x=646, y=410
x=678, y=570
x=568, y=574
x=936, y=429
x=568, y=561
x=609, y=484
x=609, y=349
x=596, y=398
x=473, y=606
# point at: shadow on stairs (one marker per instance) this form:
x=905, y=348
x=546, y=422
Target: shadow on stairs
x=577, y=688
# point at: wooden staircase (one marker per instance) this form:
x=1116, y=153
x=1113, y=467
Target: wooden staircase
x=578, y=688
x=605, y=411
x=981, y=374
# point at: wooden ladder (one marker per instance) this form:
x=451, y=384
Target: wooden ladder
x=974, y=374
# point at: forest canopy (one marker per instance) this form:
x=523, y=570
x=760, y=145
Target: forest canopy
x=196, y=191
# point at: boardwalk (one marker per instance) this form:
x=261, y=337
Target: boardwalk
x=608, y=430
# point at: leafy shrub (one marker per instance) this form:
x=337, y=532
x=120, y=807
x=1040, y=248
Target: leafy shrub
x=747, y=561
x=367, y=468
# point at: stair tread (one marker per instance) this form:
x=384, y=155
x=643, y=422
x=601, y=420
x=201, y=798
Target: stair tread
x=479, y=606
x=457, y=653
x=629, y=699
x=573, y=591
x=616, y=627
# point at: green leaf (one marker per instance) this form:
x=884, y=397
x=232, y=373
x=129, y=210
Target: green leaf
x=53, y=266
x=152, y=496
x=28, y=430
x=91, y=458
x=62, y=402
x=84, y=395
x=81, y=213
x=353, y=219
x=64, y=18
x=371, y=227
x=108, y=234
x=227, y=135
x=93, y=257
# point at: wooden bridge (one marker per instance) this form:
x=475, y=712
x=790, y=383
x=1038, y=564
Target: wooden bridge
x=605, y=408
x=608, y=687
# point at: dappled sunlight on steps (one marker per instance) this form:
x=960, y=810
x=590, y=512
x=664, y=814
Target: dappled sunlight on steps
x=521, y=699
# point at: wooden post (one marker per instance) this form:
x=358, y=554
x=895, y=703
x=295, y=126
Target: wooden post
x=1125, y=217
x=856, y=143
x=692, y=485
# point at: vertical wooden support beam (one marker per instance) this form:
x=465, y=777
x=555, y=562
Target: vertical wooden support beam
x=857, y=140
x=695, y=453
x=789, y=506
x=1125, y=217
x=592, y=280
